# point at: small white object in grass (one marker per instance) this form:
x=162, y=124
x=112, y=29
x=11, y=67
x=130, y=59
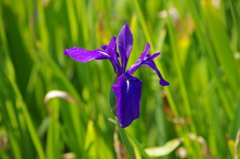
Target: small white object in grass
x=62, y=95
x=181, y=152
x=237, y=55
x=173, y=12
x=112, y=120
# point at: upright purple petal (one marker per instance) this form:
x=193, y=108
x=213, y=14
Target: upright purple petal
x=112, y=52
x=128, y=92
x=125, y=41
x=147, y=59
x=81, y=55
x=104, y=47
x=145, y=52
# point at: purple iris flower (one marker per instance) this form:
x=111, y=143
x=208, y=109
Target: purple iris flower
x=128, y=88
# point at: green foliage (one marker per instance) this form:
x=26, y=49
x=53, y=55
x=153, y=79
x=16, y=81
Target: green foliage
x=198, y=113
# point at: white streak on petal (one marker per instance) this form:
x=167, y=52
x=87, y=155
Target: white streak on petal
x=127, y=85
x=103, y=53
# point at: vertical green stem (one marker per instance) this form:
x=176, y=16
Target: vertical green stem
x=125, y=140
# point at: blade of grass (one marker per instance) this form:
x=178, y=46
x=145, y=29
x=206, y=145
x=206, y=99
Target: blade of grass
x=53, y=144
x=235, y=125
x=221, y=43
x=3, y=155
x=181, y=81
x=72, y=21
x=43, y=30
x=27, y=118
x=207, y=50
x=138, y=146
x=235, y=15
x=24, y=118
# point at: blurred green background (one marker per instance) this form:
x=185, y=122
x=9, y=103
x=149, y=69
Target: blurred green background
x=196, y=117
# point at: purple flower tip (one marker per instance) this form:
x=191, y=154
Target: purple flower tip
x=65, y=52
x=163, y=82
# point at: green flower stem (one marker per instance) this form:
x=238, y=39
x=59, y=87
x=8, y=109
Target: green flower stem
x=125, y=141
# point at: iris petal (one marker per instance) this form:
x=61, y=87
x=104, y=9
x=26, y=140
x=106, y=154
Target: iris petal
x=109, y=52
x=152, y=65
x=147, y=59
x=125, y=41
x=128, y=92
x=82, y=55
x=112, y=52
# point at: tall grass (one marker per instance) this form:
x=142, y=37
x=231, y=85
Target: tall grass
x=196, y=117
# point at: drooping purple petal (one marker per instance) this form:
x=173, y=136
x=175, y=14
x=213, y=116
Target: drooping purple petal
x=82, y=55
x=128, y=92
x=147, y=59
x=125, y=41
x=152, y=65
x=112, y=52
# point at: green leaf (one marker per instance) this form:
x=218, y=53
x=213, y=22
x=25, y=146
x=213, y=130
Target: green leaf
x=165, y=149
x=138, y=147
x=235, y=125
x=112, y=98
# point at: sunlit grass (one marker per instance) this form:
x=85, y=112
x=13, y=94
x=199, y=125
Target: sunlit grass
x=199, y=111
